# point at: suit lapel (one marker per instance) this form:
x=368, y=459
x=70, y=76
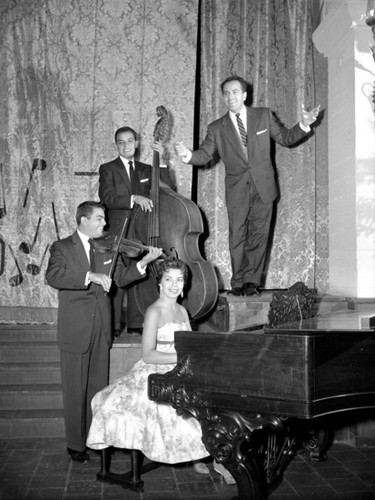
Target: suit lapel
x=80, y=251
x=121, y=171
x=143, y=173
x=251, y=126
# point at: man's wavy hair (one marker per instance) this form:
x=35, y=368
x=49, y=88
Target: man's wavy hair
x=86, y=208
x=235, y=78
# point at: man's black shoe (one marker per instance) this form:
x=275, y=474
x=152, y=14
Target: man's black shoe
x=250, y=289
x=117, y=332
x=135, y=330
x=237, y=291
x=78, y=456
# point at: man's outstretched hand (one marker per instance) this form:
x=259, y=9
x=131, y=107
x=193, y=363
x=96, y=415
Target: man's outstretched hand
x=309, y=117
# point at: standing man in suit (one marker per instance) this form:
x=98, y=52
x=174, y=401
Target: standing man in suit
x=84, y=317
x=125, y=183
x=242, y=139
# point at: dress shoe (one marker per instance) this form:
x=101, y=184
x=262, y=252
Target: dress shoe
x=237, y=291
x=135, y=330
x=78, y=456
x=117, y=332
x=250, y=289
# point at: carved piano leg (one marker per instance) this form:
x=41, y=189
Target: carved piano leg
x=317, y=442
x=256, y=450
x=250, y=479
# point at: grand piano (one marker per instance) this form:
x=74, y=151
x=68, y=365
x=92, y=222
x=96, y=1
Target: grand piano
x=260, y=396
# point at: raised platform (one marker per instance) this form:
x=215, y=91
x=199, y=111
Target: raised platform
x=125, y=352
x=241, y=313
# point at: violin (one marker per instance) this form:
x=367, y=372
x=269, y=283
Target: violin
x=109, y=243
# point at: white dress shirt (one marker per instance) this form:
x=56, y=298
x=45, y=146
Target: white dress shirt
x=125, y=162
x=86, y=245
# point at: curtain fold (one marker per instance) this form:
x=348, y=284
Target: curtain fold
x=267, y=42
x=72, y=73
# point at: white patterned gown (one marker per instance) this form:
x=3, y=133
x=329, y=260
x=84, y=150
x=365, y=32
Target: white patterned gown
x=124, y=416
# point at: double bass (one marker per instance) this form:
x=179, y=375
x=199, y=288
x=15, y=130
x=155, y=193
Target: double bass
x=174, y=224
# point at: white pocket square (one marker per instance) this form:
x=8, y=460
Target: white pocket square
x=144, y=180
x=108, y=261
x=261, y=131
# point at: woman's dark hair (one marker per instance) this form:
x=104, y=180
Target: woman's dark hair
x=166, y=265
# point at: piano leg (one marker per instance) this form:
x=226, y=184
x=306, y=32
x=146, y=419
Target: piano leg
x=256, y=450
x=317, y=441
x=250, y=480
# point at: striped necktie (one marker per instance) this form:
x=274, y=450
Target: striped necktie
x=242, y=130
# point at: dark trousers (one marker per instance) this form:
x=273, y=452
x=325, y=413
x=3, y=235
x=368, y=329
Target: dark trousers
x=134, y=317
x=82, y=376
x=249, y=227
x=117, y=300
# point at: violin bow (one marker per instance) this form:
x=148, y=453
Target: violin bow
x=117, y=247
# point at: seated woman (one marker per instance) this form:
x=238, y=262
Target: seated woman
x=123, y=415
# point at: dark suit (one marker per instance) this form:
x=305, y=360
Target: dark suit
x=84, y=333
x=250, y=186
x=115, y=193
x=115, y=190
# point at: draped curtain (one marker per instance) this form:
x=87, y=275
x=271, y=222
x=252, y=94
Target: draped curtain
x=73, y=72
x=269, y=43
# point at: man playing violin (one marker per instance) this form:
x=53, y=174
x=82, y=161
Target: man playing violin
x=84, y=336
x=124, y=184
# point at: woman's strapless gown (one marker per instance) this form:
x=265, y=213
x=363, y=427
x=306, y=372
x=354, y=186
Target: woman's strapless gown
x=124, y=417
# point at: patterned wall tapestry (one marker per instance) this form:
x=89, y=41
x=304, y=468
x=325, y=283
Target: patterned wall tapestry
x=72, y=73
x=269, y=44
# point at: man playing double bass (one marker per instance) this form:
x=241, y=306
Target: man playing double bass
x=125, y=183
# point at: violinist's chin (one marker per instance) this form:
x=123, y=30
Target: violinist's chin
x=98, y=233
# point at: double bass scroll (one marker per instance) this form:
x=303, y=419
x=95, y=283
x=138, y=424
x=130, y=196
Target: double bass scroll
x=175, y=224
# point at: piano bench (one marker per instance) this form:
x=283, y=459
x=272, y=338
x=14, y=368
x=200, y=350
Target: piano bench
x=130, y=479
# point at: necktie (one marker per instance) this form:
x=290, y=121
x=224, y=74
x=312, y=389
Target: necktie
x=92, y=256
x=242, y=130
x=133, y=178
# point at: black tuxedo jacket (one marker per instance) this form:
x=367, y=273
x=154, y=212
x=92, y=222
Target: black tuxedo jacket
x=115, y=190
x=80, y=305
